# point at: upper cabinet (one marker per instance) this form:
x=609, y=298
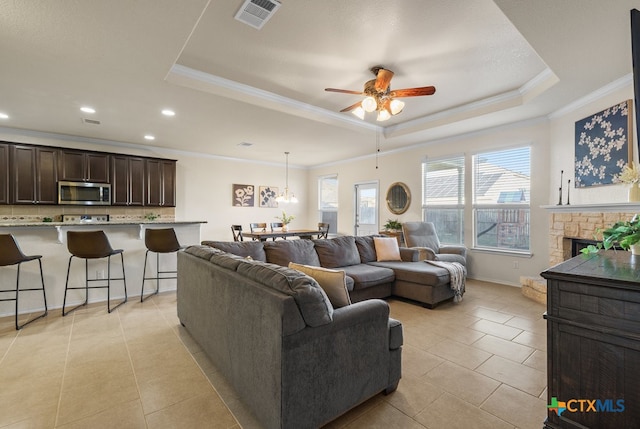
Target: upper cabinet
x=161, y=182
x=127, y=180
x=4, y=173
x=81, y=166
x=29, y=174
x=34, y=174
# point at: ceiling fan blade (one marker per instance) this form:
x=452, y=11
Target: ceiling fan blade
x=383, y=79
x=413, y=92
x=344, y=91
x=353, y=106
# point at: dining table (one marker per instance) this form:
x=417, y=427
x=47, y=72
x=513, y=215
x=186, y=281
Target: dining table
x=266, y=235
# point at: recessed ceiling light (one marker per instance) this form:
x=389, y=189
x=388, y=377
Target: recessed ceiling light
x=245, y=144
x=4, y=115
x=149, y=137
x=87, y=109
x=168, y=112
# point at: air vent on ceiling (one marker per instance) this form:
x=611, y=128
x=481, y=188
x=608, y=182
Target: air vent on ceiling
x=90, y=121
x=257, y=12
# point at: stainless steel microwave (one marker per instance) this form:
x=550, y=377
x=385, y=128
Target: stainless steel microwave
x=84, y=193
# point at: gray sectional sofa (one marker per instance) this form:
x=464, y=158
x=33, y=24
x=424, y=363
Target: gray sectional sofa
x=292, y=358
x=367, y=277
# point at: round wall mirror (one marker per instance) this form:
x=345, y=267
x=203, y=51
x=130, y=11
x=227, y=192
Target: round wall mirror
x=398, y=198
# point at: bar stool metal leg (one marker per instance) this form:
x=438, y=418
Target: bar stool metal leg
x=124, y=281
x=18, y=290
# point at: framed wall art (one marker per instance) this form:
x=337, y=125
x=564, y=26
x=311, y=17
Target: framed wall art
x=243, y=196
x=268, y=196
x=603, y=145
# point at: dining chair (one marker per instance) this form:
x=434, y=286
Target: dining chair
x=258, y=227
x=92, y=245
x=324, y=230
x=277, y=227
x=236, y=230
x=10, y=254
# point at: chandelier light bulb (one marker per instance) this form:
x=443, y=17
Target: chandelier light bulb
x=369, y=104
x=396, y=106
x=359, y=112
x=383, y=115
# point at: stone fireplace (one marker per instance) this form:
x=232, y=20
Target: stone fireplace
x=571, y=223
x=567, y=223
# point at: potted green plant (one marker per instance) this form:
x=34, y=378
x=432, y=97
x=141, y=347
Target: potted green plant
x=286, y=220
x=624, y=233
x=393, y=225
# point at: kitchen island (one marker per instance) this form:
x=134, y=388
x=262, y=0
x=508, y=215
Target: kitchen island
x=49, y=240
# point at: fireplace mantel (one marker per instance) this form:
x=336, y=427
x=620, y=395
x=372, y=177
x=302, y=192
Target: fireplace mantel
x=594, y=208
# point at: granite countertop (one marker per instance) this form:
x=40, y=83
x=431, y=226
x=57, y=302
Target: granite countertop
x=103, y=223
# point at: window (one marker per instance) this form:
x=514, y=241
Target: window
x=501, y=199
x=328, y=201
x=443, y=197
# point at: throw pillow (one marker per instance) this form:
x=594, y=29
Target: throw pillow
x=387, y=249
x=333, y=282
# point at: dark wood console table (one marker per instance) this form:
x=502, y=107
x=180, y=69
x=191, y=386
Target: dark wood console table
x=593, y=341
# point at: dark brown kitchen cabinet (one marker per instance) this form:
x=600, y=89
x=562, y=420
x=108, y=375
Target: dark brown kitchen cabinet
x=161, y=182
x=593, y=342
x=127, y=180
x=34, y=175
x=82, y=166
x=4, y=173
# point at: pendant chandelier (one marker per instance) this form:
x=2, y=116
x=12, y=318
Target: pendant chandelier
x=286, y=196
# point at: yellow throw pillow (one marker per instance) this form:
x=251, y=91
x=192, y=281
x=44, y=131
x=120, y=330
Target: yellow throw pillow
x=333, y=282
x=387, y=249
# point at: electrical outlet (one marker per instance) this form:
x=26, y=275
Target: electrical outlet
x=516, y=265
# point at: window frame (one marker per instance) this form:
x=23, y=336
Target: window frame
x=460, y=206
x=477, y=207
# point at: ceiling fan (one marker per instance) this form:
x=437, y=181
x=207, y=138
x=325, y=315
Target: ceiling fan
x=380, y=97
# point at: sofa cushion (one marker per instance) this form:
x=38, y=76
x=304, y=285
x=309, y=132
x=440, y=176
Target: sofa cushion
x=337, y=252
x=366, y=248
x=387, y=249
x=227, y=260
x=365, y=275
x=282, y=252
x=314, y=305
x=255, y=249
x=333, y=282
x=202, y=252
x=416, y=272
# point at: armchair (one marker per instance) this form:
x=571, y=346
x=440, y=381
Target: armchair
x=423, y=236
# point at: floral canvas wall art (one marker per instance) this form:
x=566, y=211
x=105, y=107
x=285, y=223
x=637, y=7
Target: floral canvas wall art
x=603, y=145
x=243, y=196
x=268, y=196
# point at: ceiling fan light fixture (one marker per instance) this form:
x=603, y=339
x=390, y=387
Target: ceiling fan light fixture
x=359, y=112
x=369, y=104
x=383, y=115
x=396, y=106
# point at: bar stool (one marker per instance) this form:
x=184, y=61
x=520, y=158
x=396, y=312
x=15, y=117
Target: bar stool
x=10, y=254
x=162, y=240
x=92, y=245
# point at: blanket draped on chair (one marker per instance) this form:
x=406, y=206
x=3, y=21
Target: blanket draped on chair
x=457, y=273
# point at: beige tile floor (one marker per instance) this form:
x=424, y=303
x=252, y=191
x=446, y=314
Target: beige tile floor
x=476, y=364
